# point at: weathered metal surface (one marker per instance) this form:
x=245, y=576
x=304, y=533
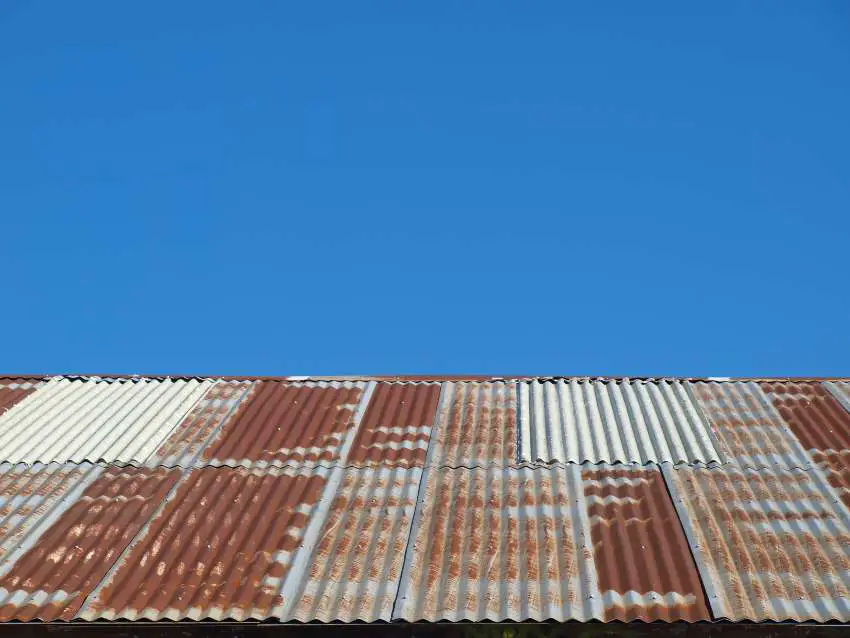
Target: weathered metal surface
x=113, y=421
x=476, y=425
x=219, y=548
x=354, y=571
x=500, y=544
x=612, y=422
x=748, y=429
x=63, y=529
x=822, y=424
x=642, y=558
x=769, y=544
x=13, y=390
x=396, y=427
x=841, y=391
x=201, y=425
x=289, y=423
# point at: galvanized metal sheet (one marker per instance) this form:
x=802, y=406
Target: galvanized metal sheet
x=500, y=544
x=841, y=391
x=771, y=545
x=476, y=425
x=748, y=429
x=289, y=423
x=612, y=422
x=63, y=527
x=643, y=561
x=396, y=427
x=202, y=424
x=354, y=571
x=219, y=548
x=114, y=421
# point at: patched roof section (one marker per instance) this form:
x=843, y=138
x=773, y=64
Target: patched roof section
x=643, y=561
x=476, y=426
x=612, y=422
x=121, y=421
x=396, y=427
x=288, y=423
x=13, y=390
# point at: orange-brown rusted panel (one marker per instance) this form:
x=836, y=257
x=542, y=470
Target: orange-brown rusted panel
x=52, y=579
x=397, y=425
x=813, y=414
x=644, y=565
x=500, y=544
x=287, y=423
x=218, y=549
x=477, y=425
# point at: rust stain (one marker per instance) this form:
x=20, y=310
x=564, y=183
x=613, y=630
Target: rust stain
x=287, y=423
x=644, y=565
x=495, y=544
x=812, y=413
x=397, y=426
x=196, y=429
x=355, y=569
x=771, y=542
x=75, y=553
x=477, y=425
x=219, y=548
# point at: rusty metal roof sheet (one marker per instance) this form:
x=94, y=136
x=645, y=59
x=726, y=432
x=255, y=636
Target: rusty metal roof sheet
x=387, y=500
x=612, y=422
x=113, y=421
x=13, y=390
x=769, y=544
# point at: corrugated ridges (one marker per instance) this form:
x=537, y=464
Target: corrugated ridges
x=642, y=558
x=289, y=424
x=396, y=427
x=476, y=425
x=771, y=545
x=815, y=416
x=64, y=526
x=749, y=430
x=12, y=390
x=113, y=421
x=612, y=422
x=354, y=571
x=500, y=544
x=219, y=548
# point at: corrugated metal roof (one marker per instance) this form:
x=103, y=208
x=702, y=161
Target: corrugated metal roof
x=386, y=500
x=769, y=544
x=500, y=543
x=113, y=421
x=477, y=425
x=13, y=390
x=612, y=422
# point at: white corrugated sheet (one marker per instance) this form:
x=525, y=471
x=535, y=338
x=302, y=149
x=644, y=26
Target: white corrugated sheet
x=612, y=422
x=96, y=420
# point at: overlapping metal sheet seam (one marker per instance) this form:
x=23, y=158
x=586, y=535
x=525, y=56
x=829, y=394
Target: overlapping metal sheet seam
x=615, y=422
x=79, y=421
x=841, y=391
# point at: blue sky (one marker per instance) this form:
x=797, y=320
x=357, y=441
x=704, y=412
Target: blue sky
x=380, y=187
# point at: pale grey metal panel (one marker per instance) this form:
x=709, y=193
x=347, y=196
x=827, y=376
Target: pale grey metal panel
x=612, y=422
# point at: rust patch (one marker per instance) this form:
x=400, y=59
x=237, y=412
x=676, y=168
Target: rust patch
x=494, y=544
x=287, y=423
x=639, y=548
x=397, y=426
x=223, y=543
x=356, y=566
x=477, y=425
x=772, y=542
x=813, y=414
x=75, y=553
x=12, y=391
x=208, y=415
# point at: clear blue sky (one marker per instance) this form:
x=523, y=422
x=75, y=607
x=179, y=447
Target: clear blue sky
x=362, y=187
